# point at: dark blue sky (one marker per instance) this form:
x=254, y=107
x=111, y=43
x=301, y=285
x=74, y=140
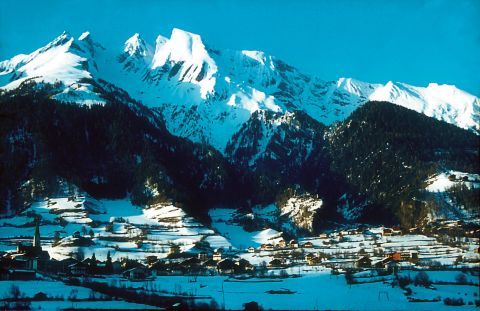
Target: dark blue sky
x=412, y=41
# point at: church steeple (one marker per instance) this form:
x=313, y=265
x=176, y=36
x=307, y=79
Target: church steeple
x=36, y=237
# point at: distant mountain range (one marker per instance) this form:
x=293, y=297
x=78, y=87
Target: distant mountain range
x=271, y=127
x=207, y=95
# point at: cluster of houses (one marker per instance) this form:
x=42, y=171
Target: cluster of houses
x=24, y=263
x=390, y=262
x=284, y=252
x=280, y=245
x=202, y=264
x=30, y=258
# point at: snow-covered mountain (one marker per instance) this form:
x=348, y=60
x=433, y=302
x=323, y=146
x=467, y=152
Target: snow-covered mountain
x=211, y=96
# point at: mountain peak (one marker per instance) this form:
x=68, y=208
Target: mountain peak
x=180, y=33
x=259, y=56
x=84, y=36
x=188, y=46
x=443, y=87
x=87, y=43
x=188, y=54
x=182, y=46
x=62, y=39
x=63, y=35
x=135, y=45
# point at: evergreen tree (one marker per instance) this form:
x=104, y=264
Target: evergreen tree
x=108, y=264
x=56, y=238
x=93, y=264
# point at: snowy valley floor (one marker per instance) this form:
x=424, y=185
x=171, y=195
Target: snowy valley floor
x=314, y=290
x=127, y=231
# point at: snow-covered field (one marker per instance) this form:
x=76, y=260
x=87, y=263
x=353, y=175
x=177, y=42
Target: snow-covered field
x=223, y=222
x=316, y=289
x=65, y=296
x=440, y=185
x=443, y=181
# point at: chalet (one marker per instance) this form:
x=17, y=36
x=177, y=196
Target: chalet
x=361, y=229
x=64, y=265
x=364, y=262
x=382, y=263
x=414, y=256
x=308, y=245
x=387, y=264
x=283, y=254
x=387, y=232
x=21, y=261
x=251, y=249
x=411, y=256
x=397, y=231
x=226, y=266
x=266, y=247
x=202, y=256
x=217, y=256
x=127, y=264
x=405, y=256
x=293, y=244
x=309, y=258
x=323, y=236
x=79, y=269
x=396, y=256
x=9, y=270
x=136, y=274
x=276, y=263
x=210, y=263
x=244, y=266
x=281, y=244
x=21, y=275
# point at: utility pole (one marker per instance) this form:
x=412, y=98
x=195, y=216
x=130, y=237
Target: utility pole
x=223, y=294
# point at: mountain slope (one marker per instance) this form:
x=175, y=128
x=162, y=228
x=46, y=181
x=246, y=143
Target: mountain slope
x=386, y=153
x=109, y=150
